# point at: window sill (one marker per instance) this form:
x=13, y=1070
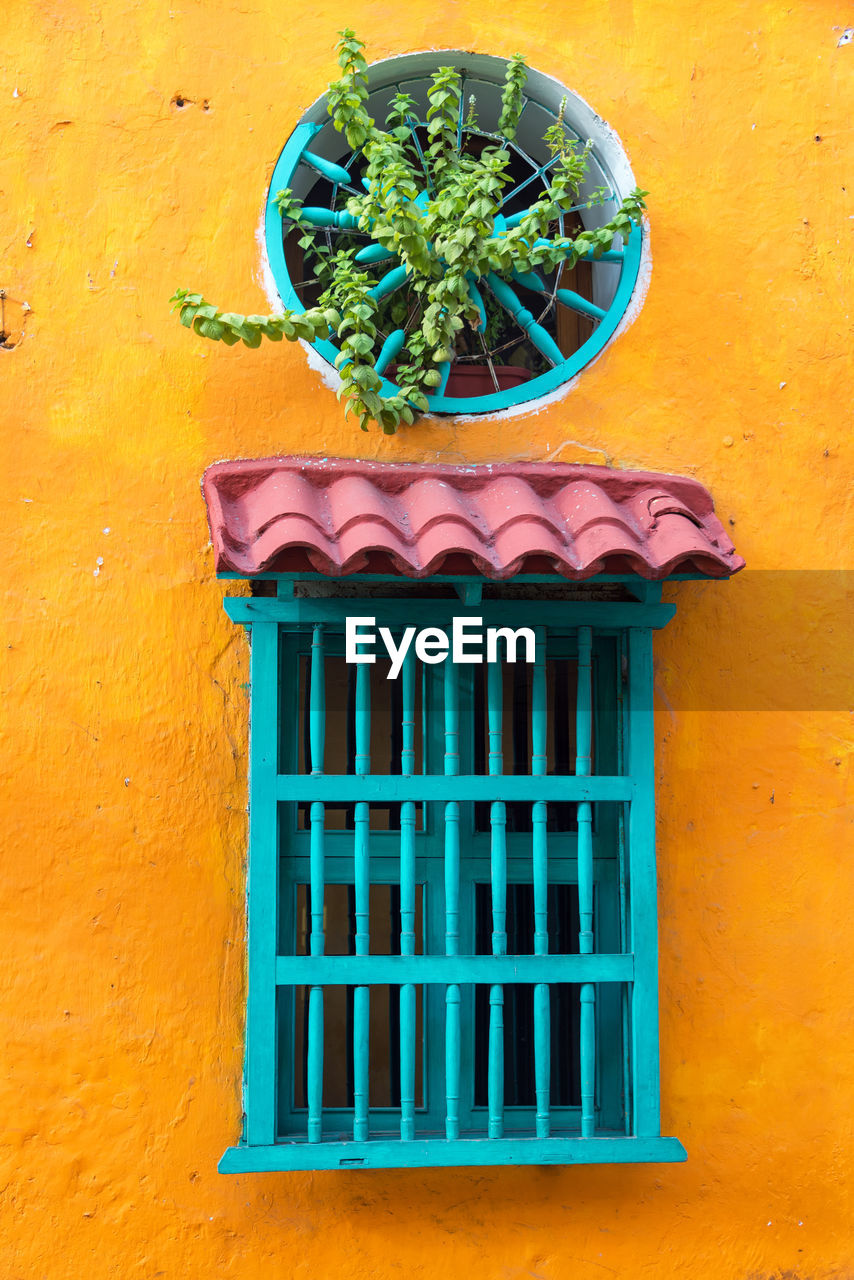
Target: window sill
x=439, y=1152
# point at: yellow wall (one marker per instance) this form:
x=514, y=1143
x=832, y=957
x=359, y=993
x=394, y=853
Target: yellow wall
x=124, y=704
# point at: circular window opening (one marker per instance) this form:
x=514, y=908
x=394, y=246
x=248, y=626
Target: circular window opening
x=543, y=327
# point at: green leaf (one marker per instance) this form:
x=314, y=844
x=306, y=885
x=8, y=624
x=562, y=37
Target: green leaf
x=360, y=343
x=210, y=329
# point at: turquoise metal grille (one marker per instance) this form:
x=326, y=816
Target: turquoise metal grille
x=496, y=811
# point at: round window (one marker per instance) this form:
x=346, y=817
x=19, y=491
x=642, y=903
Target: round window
x=538, y=328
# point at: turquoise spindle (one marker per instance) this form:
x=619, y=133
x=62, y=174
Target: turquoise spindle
x=583, y=768
x=452, y=722
x=587, y=1036
x=361, y=855
x=575, y=302
x=568, y=246
x=317, y=740
x=390, y=350
x=407, y=992
x=341, y=220
x=609, y=255
x=390, y=281
x=499, y=878
x=498, y=816
x=452, y=907
x=495, y=1127
x=530, y=280
x=407, y=748
x=583, y=306
x=362, y=762
x=498, y=860
x=495, y=757
x=317, y=702
x=542, y=340
x=375, y=253
x=444, y=375
x=452, y=1061
x=315, y=995
x=542, y=1003
x=332, y=172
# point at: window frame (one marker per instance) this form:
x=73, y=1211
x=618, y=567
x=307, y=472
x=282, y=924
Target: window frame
x=632, y=621
x=315, y=137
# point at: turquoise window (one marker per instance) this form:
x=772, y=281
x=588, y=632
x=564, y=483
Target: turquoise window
x=451, y=894
x=539, y=334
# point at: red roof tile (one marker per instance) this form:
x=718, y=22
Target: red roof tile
x=338, y=516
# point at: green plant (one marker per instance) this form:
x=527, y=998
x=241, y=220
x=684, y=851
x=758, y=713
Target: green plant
x=432, y=212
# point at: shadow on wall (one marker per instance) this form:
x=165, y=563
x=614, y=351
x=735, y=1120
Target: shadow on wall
x=802, y=610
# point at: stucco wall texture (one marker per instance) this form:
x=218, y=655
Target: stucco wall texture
x=124, y=701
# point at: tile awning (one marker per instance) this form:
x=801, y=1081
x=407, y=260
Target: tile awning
x=337, y=516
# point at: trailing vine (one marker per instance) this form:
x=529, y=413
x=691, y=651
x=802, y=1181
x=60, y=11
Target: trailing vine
x=433, y=214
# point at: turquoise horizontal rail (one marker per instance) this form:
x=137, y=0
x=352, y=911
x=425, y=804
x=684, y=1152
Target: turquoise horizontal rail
x=379, y=788
x=436, y=1152
x=345, y=971
x=431, y=613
